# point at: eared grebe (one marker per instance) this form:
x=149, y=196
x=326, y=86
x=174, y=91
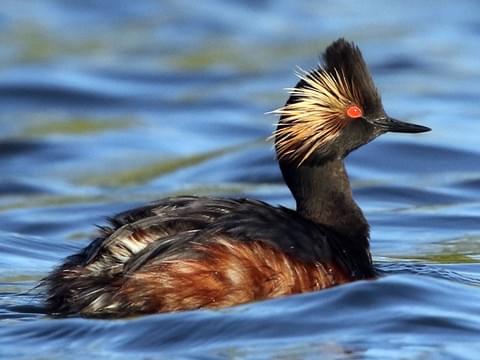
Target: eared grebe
x=190, y=252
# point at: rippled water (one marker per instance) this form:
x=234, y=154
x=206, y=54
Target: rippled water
x=106, y=105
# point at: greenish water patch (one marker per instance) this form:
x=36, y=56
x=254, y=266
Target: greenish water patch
x=77, y=126
x=21, y=278
x=445, y=258
x=38, y=43
x=145, y=173
x=449, y=251
x=59, y=200
x=41, y=201
x=220, y=52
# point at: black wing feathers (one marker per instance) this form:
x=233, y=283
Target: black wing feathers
x=172, y=225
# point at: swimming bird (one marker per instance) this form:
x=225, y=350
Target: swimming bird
x=187, y=252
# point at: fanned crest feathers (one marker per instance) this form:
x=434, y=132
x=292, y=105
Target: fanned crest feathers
x=317, y=110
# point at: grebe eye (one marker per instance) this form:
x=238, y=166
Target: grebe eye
x=354, y=112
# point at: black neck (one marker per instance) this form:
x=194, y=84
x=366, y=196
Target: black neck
x=323, y=195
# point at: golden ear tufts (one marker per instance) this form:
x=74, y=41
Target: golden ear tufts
x=318, y=115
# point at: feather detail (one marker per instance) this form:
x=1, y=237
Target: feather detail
x=317, y=117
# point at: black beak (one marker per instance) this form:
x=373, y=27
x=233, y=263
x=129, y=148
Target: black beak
x=393, y=125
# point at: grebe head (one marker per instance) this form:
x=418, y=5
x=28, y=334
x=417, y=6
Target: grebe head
x=333, y=110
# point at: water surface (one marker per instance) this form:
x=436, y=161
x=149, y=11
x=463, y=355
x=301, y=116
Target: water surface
x=107, y=105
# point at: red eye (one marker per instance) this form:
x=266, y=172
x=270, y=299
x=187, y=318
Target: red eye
x=354, y=112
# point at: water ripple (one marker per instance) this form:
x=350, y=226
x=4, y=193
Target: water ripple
x=109, y=105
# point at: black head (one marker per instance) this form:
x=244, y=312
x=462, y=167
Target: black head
x=333, y=110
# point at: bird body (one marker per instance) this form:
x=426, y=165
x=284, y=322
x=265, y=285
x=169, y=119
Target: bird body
x=190, y=252
x=185, y=253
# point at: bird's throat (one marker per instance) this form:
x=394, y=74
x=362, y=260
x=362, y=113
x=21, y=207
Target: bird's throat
x=323, y=195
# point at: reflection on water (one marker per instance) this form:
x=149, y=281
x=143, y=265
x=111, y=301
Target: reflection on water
x=106, y=105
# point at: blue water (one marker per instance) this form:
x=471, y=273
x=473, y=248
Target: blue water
x=107, y=105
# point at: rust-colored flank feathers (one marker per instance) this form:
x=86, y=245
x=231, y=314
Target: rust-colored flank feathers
x=318, y=115
x=226, y=274
x=220, y=256
x=187, y=252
